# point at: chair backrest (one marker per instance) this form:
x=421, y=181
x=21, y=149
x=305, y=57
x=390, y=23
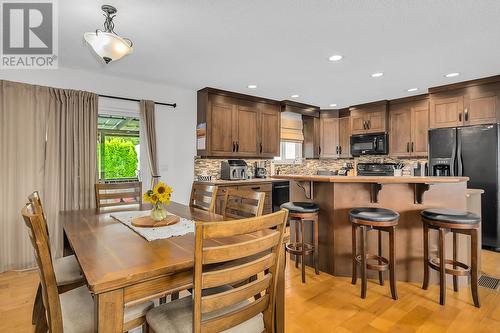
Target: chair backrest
x=203, y=197
x=118, y=194
x=242, y=204
x=36, y=201
x=259, y=252
x=39, y=240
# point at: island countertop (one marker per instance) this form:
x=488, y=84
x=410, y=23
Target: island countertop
x=374, y=179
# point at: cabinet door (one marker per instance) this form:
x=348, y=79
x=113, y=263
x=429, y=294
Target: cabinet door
x=270, y=122
x=311, y=128
x=400, y=127
x=357, y=123
x=222, y=134
x=345, y=137
x=376, y=121
x=246, y=126
x=329, y=137
x=446, y=111
x=420, y=130
x=481, y=108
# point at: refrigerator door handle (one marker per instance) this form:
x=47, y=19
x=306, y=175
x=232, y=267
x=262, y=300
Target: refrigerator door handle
x=453, y=160
x=460, y=171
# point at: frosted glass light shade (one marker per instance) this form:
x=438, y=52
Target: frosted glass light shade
x=108, y=46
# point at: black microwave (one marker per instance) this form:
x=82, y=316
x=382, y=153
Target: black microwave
x=370, y=144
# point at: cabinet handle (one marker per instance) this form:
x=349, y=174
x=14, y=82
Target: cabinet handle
x=261, y=147
x=365, y=125
x=460, y=116
x=255, y=188
x=369, y=122
x=234, y=146
x=466, y=114
x=337, y=149
x=340, y=150
x=412, y=147
x=237, y=146
x=319, y=149
x=407, y=147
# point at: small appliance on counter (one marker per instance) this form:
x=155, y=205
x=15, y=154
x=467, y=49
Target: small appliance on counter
x=376, y=169
x=346, y=170
x=233, y=170
x=370, y=144
x=419, y=169
x=259, y=169
x=324, y=172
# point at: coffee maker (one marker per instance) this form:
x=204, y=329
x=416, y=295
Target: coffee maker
x=259, y=169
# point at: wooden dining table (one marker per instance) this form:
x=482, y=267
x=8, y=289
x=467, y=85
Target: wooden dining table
x=122, y=268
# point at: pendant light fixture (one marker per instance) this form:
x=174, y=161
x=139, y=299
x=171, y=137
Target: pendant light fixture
x=107, y=44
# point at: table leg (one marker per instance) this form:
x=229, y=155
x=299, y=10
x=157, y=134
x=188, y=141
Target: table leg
x=109, y=311
x=280, y=296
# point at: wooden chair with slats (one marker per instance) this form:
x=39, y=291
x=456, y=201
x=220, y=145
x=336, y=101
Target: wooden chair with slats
x=242, y=204
x=67, y=270
x=118, y=194
x=72, y=311
x=216, y=306
x=203, y=197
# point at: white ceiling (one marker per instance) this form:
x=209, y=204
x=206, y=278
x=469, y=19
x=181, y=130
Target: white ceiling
x=283, y=45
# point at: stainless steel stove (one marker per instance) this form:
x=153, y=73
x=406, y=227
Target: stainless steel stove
x=376, y=169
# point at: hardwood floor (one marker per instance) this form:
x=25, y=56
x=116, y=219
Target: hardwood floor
x=327, y=304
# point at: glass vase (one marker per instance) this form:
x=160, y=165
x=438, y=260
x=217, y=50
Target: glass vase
x=158, y=212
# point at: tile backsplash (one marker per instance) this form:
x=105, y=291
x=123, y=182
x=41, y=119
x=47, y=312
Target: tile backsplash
x=211, y=167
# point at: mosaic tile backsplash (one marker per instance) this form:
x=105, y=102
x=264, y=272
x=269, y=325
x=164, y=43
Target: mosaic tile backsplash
x=211, y=167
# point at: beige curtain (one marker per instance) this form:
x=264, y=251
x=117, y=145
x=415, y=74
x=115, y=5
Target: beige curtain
x=147, y=114
x=48, y=143
x=291, y=130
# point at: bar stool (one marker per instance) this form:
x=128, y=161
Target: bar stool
x=380, y=219
x=299, y=212
x=458, y=222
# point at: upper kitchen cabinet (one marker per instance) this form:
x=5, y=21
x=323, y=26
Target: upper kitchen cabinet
x=344, y=137
x=466, y=103
x=329, y=134
x=409, y=124
x=369, y=118
x=237, y=125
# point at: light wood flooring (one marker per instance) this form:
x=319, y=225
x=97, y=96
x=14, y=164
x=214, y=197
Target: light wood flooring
x=326, y=304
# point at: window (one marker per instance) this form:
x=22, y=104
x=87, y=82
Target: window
x=118, y=149
x=290, y=153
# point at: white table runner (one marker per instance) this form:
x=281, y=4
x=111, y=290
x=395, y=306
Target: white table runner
x=184, y=226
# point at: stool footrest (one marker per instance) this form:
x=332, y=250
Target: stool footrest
x=462, y=270
x=384, y=266
x=296, y=248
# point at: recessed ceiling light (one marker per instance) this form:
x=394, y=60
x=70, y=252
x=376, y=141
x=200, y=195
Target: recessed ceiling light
x=379, y=74
x=333, y=105
x=452, y=74
x=294, y=96
x=252, y=86
x=412, y=89
x=335, y=57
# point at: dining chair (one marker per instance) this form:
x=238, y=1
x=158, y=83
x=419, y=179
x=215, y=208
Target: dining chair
x=242, y=204
x=118, y=194
x=67, y=270
x=203, y=197
x=216, y=306
x=72, y=311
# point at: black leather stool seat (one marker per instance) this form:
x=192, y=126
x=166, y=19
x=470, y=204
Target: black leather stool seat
x=300, y=207
x=373, y=214
x=450, y=216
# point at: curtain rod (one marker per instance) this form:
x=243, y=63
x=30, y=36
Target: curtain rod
x=174, y=105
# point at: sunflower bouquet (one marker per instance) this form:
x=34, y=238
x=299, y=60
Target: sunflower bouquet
x=158, y=197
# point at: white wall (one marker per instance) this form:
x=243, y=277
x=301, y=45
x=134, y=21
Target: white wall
x=175, y=127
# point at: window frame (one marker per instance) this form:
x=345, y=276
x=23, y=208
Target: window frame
x=296, y=160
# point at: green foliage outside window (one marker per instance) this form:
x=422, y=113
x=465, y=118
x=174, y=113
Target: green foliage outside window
x=120, y=157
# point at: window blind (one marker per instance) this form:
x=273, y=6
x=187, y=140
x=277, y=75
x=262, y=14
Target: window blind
x=291, y=127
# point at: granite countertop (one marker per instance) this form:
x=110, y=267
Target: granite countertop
x=375, y=179
x=239, y=182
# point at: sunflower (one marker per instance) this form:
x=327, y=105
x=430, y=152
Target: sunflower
x=163, y=192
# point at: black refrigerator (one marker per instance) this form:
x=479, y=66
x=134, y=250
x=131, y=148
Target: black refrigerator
x=471, y=151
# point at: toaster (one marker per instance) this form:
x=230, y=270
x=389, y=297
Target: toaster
x=233, y=170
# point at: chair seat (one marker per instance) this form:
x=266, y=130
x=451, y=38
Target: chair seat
x=177, y=317
x=77, y=308
x=300, y=207
x=373, y=214
x=450, y=216
x=67, y=270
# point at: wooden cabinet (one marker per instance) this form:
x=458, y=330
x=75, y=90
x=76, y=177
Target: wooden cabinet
x=265, y=187
x=369, y=118
x=470, y=105
x=236, y=125
x=311, y=147
x=344, y=137
x=329, y=135
x=409, y=125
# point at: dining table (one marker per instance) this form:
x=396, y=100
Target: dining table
x=121, y=268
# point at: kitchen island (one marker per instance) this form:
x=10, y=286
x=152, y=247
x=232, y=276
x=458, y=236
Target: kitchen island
x=335, y=195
